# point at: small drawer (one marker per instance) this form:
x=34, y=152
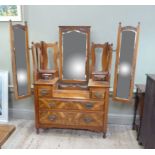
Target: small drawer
x=45, y=91
x=98, y=94
x=45, y=103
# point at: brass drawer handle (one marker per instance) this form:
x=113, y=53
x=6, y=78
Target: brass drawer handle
x=52, y=104
x=52, y=117
x=98, y=95
x=88, y=105
x=44, y=92
x=87, y=119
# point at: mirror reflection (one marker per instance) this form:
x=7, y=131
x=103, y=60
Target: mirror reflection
x=98, y=59
x=20, y=59
x=125, y=64
x=74, y=55
x=50, y=56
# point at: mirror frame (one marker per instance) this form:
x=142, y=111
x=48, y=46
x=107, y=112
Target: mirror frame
x=35, y=61
x=83, y=29
x=14, y=72
x=107, y=51
x=54, y=46
x=43, y=46
x=106, y=65
x=133, y=66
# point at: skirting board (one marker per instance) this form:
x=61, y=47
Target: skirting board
x=29, y=115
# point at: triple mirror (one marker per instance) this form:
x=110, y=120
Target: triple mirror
x=20, y=60
x=74, y=51
x=74, y=46
x=126, y=55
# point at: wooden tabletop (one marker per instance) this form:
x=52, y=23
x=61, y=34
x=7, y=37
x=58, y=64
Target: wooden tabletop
x=152, y=76
x=141, y=88
x=47, y=82
x=92, y=83
x=5, y=132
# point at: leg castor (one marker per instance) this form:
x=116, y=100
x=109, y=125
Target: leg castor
x=140, y=143
x=37, y=131
x=104, y=135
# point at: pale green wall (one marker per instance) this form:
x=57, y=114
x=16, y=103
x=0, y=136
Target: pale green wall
x=43, y=22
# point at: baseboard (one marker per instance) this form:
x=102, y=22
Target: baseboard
x=29, y=115
x=21, y=114
x=120, y=119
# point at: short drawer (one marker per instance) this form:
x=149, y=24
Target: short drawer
x=71, y=118
x=45, y=91
x=72, y=105
x=90, y=119
x=51, y=117
x=98, y=94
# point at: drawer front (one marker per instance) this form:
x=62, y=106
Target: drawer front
x=71, y=118
x=70, y=105
x=90, y=119
x=98, y=94
x=45, y=91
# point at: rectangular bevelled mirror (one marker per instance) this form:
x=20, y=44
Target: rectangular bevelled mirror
x=74, y=50
x=126, y=57
x=20, y=60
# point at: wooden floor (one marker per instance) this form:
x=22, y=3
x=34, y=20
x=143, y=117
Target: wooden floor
x=24, y=137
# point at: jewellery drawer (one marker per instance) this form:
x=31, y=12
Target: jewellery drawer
x=98, y=93
x=71, y=118
x=45, y=91
x=70, y=105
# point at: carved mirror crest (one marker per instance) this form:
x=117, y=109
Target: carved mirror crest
x=20, y=60
x=126, y=56
x=74, y=51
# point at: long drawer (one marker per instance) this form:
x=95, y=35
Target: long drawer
x=71, y=118
x=45, y=103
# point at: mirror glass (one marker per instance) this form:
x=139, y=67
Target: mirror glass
x=21, y=60
x=125, y=63
x=74, y=55
x=50, y=56
x=98, y=59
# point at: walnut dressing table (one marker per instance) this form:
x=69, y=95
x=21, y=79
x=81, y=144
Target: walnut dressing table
x=71, y=78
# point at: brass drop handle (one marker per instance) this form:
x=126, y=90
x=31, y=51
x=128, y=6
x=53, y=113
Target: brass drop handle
x=88, y=105
x=52, y=104
x=87, y=119
x=98, y=95
x=44, y=92
x=52, y=117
